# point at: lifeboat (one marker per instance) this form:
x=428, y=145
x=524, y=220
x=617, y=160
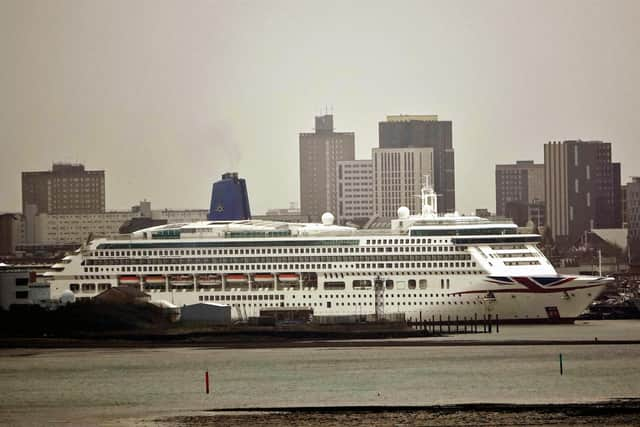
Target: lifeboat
x=236, y=278
x=209, y=279
x=183, y=280
x=288, y=277
x=154, y=280
x=128, y=280
x=263, y=278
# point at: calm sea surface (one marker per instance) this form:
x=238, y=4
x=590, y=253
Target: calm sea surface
x=107, y=386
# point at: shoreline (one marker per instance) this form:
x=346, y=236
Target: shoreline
x=243, y=343
x=610, y=412
x=305, y=336
x=624, y=405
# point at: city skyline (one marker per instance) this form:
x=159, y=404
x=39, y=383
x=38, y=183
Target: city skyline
x=167, y=99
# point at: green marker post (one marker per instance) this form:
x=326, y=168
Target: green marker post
x=561, y=371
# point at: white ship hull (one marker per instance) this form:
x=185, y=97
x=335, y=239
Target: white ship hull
x=466, y=298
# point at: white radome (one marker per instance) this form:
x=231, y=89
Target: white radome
x=327, y=218
x=403, y=212
x=67, y=297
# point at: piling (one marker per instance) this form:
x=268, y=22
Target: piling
x=497, y=324
x=206, y=381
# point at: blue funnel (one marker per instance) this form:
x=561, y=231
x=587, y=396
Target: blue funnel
x=229, y=199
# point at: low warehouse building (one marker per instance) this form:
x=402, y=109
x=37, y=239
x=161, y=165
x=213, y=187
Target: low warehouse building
x=217, y=314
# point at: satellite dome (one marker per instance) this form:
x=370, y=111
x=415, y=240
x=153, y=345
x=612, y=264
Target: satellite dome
x=403, y=212
x=327, y=218
x=67, y=297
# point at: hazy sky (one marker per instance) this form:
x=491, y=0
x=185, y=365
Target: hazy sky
x=167, y=95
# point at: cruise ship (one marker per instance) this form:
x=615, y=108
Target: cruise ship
x=425, y=265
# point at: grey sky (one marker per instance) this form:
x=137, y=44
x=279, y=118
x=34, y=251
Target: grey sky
x=167, y=95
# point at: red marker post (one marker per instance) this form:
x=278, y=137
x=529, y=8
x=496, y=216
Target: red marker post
x=206, y=381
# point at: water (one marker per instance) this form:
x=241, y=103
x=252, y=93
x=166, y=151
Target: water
x=109, y=385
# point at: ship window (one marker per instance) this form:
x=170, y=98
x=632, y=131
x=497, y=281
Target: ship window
x=87, y=287
x=22, y=294
x=334, y=285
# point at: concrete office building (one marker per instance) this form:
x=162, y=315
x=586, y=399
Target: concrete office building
x=355, y=190
x=616, y=175
x=75, y=228
x=633, y=220
x=65, y=189
x=398, y=177
x=11, y=232
x=623, y=205
x=290, y=214
x=519, y=182
x=581, y=189
x=319, y=153
x=425, y=131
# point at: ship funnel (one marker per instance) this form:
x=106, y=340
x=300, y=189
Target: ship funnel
x=229, y=199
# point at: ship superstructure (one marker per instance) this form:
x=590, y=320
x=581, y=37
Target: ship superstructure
x=423, y=265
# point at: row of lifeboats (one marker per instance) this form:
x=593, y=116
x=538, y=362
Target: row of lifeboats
x=261, y=278
x=206, y=279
